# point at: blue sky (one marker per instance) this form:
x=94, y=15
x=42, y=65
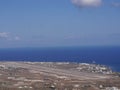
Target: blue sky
x=52, y=23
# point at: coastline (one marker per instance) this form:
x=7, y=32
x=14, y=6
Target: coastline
x=112, y=67
x=101, y=55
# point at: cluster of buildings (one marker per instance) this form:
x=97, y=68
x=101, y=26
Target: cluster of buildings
x=94, y=68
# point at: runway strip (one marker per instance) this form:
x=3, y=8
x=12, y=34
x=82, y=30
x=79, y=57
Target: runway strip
x=61, y=72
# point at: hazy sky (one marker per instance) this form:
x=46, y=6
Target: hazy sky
x=46, y=23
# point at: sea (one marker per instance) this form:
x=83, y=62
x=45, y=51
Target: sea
x=109, y=56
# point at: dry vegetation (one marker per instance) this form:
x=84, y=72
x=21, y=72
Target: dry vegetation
x=13, y=76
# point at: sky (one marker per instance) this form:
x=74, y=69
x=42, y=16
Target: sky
x=53, y=23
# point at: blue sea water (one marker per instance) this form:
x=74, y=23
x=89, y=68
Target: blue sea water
x=101, y=55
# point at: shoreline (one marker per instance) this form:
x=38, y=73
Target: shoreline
x=62, y=62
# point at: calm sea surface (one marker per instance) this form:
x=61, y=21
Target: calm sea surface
x=101, y=55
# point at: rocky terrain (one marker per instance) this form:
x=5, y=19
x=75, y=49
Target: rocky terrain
x=57, y=76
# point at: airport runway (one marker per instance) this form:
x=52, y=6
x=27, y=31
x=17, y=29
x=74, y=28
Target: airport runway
x=56, y=71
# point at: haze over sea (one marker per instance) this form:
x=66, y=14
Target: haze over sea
x=101, y=55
